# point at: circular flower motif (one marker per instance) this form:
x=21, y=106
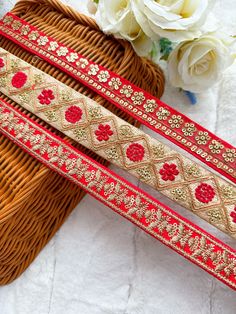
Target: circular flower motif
x=16, y=25
x=62, y=51
x=103, y=76
x=80, y=133
x=112, y=153
x=7, y=20
x=229, y=155
x=126, y=90
x=43, y=40
x=93, y=69
x=150, y=105
x=138, y=98
x=179, y=194
x=19, y=80
x=46, y=97
x=82, y=63
x=162, y=113
x=53, y=45
x=25, y=30
x=216, y=147
x=205, y=193
x=2, y=64
x=103, y=132
x=115, y=83
x=72, y=57
x=215, y=216
x=73, y=114
x=202, y=138
x=145, y=173
x=189, y=129
x=135, y=152
x=233, y=214
x=227, y=191
x=175, y=121
x=168, y=172
x=33, y=35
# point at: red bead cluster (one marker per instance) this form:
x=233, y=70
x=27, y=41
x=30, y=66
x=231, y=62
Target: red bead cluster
x=19, y=79
x=2, y=64
x=73, y=114
x=103, y=132
x=135, y=152
x=46, y=97
x=205, y=193
x=168, y=172
x=233, y=214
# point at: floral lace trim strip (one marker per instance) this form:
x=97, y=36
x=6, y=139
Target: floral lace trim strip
x=96, y=128
x=129, y=201
x=149, y=110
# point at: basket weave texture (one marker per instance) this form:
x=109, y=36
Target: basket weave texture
x=34, y=201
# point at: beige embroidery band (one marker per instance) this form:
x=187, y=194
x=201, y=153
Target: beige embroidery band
x=96, y=128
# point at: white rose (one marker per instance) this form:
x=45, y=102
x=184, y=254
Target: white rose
x=197, y=65
x=116, y=17
x=177, y=20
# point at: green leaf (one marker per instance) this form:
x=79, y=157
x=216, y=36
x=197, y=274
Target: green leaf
x=165, y=48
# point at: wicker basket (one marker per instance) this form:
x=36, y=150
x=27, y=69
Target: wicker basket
x=34, y=201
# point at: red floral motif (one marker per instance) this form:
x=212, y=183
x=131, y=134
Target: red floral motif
x=46, y=97
x=135, y=152
x=233, y=214
x=73, y=114
x=169, y=172
x=103, y=132
x=205, y=193
x=19, y=80
x=2, y=63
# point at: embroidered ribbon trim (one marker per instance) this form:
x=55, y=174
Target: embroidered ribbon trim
x=129, y=201
x=149, y=110
x=96, y=128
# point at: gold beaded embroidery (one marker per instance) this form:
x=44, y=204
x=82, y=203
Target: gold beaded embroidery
x=192, y=243
x=9, y=26
x=110, y=137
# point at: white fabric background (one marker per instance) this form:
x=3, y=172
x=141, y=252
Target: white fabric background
x=99, y=263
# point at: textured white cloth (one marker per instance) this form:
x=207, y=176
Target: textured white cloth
x=99, y=263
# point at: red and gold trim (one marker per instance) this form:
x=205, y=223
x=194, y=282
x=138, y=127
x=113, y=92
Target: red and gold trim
x=96, y=128
x=121, y=196
x=149, y=110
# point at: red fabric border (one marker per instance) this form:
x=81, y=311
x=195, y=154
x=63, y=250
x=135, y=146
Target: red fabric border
x=154, y=218
x=189, y=143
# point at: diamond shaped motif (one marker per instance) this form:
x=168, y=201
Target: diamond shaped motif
x=19, y=81
x=45, y=98
x=73, y=115
x=135, y=152
x=204, y=194
x=103, y=133
x=169, y=172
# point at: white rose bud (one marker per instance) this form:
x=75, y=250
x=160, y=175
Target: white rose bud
x=197, y=65
x=177, y=20
x=92, y=7
x=116, y=17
